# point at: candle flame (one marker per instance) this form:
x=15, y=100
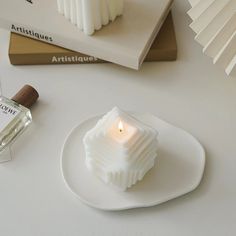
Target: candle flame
x=121, y=126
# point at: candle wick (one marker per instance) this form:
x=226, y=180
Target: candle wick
x=120, y=126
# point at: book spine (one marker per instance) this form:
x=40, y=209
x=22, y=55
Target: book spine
x=154, y=33
x=68, y=58
x=53, y=59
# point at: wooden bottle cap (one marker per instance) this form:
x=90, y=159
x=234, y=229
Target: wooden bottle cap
x=26, y=97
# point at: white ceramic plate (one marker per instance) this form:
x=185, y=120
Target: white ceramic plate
x=179, y=169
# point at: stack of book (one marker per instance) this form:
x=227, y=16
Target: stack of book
x=39, y=35
x=27, y=51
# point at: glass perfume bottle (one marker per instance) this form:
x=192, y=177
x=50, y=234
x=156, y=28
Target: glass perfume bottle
x=15, y=116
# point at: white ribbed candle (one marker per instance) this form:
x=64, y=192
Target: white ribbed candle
x=60, y=6
x=66, y=8
x=88, y=21
x=104, y=12
x=90, y=15
x=79, y=14
x=97, y=15
x=120, y=7
x=120, y=156
x=112, y=9
x=73, y=12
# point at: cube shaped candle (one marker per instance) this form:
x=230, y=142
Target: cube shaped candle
x=120, y=149
x=90, y=15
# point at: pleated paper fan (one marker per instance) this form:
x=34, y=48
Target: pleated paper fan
x=214, y=22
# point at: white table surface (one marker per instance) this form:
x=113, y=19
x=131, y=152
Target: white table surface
x=190, y=93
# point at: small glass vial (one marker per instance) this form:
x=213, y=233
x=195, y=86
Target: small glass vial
x=15, y=116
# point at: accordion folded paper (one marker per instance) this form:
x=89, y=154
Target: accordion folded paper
x=214, y=23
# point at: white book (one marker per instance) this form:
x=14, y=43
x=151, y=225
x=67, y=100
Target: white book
x=222, y=37
x=125, y=41
x=219, y=20
x=208, y=15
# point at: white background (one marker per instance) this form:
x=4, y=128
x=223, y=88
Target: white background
x=190, y=93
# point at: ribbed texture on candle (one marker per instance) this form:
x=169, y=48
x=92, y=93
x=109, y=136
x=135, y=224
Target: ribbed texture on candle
x=90, y=15
x=120, y=164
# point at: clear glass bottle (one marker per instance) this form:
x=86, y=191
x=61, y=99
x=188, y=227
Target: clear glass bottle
x=15, y=116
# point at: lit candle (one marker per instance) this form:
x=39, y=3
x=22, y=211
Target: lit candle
x=90, y=15
x=120, y=149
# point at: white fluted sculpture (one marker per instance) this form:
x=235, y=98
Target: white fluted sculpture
x=90, y=15
x=214, y=22
x=120, y=155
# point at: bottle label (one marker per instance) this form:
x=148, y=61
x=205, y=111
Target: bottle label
x=7, y=114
